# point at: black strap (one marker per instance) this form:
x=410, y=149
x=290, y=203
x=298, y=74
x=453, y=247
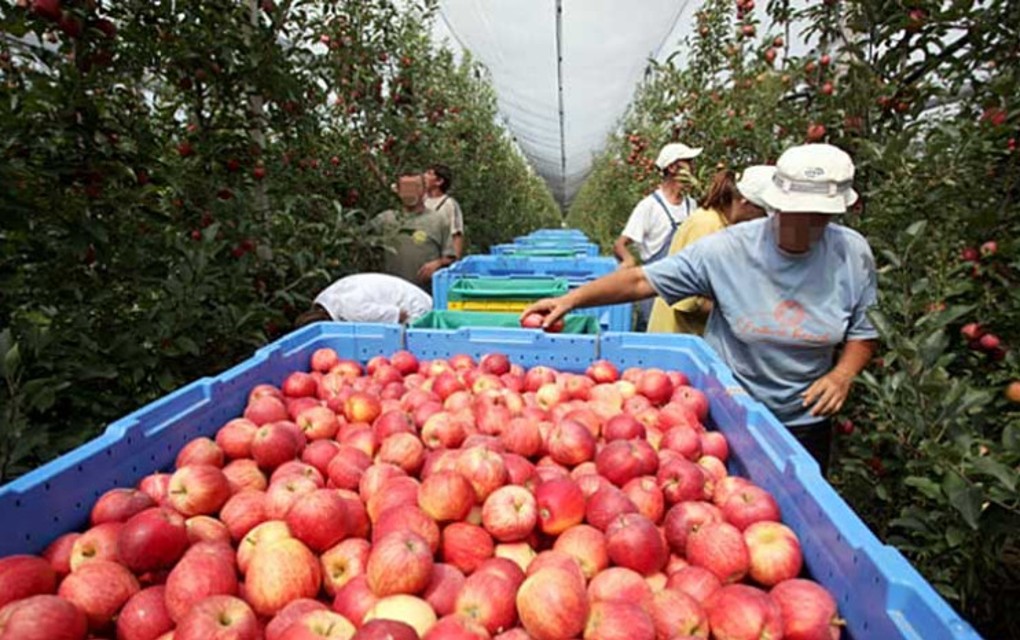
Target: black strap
x=442, y=202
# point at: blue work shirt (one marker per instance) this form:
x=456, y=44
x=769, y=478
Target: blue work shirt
x=778, y=317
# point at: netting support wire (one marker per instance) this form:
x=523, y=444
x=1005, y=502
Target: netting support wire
x=559, y=86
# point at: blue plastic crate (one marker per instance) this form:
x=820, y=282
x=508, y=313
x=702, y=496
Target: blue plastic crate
x=879, y=594
x=557, y=233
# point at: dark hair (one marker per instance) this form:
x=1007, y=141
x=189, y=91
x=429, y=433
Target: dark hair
x=721, y=192
x=315, y=314
x=443, y=173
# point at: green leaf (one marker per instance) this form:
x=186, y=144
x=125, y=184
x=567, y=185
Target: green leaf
x=929, y=488
x=994, y=468
x=1011, y=437
x=964, y=498
x=955, y=536
x=915, y=229
x=12, y=361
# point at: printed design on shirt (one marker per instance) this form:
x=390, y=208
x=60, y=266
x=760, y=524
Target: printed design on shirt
x=419, y=237
x=787, y=321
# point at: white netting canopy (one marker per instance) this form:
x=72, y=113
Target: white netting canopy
x=565, y=70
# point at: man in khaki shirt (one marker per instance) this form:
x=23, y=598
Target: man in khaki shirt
x=438, y=179
x=419, y=242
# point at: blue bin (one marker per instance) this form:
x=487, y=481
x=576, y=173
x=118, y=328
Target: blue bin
x=879, y=593
x=577, y=271
x=573, y=234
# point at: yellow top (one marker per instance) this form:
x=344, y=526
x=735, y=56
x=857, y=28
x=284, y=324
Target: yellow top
x=686, y=315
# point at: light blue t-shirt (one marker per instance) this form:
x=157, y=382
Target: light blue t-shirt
x=778, y=317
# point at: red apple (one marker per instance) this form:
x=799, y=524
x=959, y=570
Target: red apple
x=466, y=546
x=603, y=371
x=295, y=469
x=633, y=542
x=347, y=466
x=200, y=451
x=623, y=427
x=260, y=534
x=98, y=543
x=727, y=487
x=244, y=473
x=655, y=385
x=198, y=489
x=266, y=409
x=544, y=622
x=484, y=469
x=571, y=443
x=693, y=399
x=488, y=599
x=675, y=613
x=318, y=519
x=320, y=623
x=454, y=627
x=443, y=587
x=644, y=492
x=117, y=505
x=354, y=599
x=207, y=529
x=22, y=576
x=749, y=505
x=275, y=444
x=510, y=513
x=281, y=496
x=289, y=615
x=319, y=454
x=587, y=545
x=606, y=504
x=713, y=443
x=395, y=492
x=720, y=548
x=550, y=395
x=681, y=480
x=561, y=505
x=621, y=461
x=145, y=616
x=299, y=385
x=774, y=552
x=318, y=423
x=100, y=589
x=43, y=617
x=407, y=518
x=58, y=554
x=219, y=618
x=243, y=511
x=614, y=619
x=323, y=360
x=622, y=584
x=522, y=436
x=197, y=576
x=697, y=582
x=808, y=611
x=281, y=571
x=404, y=450
x=343, y=562
x=401, y=562
x=151, y=540
x=685, y=517
x=362, y=407
x=443, y=431
x=738, y=611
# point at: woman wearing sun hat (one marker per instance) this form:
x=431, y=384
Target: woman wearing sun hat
x=729, y=201
x=791, y=294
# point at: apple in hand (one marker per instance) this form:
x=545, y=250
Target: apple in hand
x=535, y=321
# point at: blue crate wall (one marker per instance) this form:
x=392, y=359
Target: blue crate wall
x=878, y=592
x=58, y=496
x=575, y=234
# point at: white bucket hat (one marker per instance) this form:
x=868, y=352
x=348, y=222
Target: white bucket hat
x=675, y=151
x=753, y=182
x=812, y=178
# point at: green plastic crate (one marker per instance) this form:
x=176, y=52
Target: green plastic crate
x=507, y=289
x=572, y=324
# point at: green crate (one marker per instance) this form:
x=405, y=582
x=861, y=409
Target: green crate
x=573, y=324
x=508, y=289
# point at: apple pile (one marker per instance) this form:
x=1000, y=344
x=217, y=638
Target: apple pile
x=438, y=499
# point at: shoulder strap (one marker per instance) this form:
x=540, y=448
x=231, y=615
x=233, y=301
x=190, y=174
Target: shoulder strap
x=442, y=202
x=662, y=203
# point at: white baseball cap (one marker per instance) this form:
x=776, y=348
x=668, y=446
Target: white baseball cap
x=675, y=151
x=753, y=181
x=812, y=178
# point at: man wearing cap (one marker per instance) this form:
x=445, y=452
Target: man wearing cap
x=729, y=201
x=368, y=297
x=791, y=294
x=657, y=217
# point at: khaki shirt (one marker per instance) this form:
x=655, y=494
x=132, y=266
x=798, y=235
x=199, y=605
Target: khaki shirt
x=412, y=240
